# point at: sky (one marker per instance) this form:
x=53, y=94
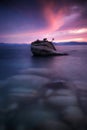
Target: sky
x=23, y=21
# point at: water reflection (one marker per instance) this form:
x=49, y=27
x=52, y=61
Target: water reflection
x=34, y=101
x=43, y=93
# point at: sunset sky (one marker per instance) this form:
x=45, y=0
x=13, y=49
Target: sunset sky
x=23, y=21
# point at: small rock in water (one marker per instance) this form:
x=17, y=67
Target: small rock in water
x=48, y=92
x=29, y=81
x=74, y=115
x=12, y=106
x=59, y=94
x=55, y=125
x=65, y=92
x=62, y=101
x=24, y=87
x=43, y=72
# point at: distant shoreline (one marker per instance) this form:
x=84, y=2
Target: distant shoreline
x=55, y=43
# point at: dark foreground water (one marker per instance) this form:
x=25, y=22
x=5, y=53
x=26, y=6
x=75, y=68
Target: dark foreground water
x=43, y=92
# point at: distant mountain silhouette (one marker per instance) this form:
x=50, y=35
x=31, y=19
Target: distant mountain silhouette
x=55, y=43
x=70, y=43
x=10, y=44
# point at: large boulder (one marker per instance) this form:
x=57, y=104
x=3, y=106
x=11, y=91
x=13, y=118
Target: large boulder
x=44, y=48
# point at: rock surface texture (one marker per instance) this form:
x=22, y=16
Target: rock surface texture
x=44, y=48
x=32, y=101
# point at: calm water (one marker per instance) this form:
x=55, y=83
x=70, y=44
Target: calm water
x=15, y=58
x=21, y=100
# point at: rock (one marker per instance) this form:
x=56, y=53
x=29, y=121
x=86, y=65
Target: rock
x=59, y=94
x=75, y=116
x=43, y=72
x=25, y=85
x=35, y=100
x=62, y=101
x=80, y=84
x=27, y=81
x=36, y=118
x=81, y=92
x=49, y=92
x=44, y=48
x=55, y=125
x=23, y=89
x=65, y=92
x=12, y=107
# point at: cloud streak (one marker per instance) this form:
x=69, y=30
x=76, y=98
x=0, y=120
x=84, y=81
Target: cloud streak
x=24, y=20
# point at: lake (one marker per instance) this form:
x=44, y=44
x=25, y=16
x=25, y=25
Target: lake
x=43, y=93
x=14, y=58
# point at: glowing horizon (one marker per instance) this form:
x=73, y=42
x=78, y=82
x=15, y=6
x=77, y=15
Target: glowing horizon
x=26, y=21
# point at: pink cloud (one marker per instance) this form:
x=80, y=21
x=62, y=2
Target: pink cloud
x=54, y=20
x=60, y=24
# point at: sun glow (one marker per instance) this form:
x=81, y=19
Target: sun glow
x=78, y=31
x=68, y=40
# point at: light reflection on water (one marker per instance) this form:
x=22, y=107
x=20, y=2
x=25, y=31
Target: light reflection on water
x=71, y=66
x=22, y=75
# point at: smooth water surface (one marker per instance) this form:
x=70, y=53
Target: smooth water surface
x=15, y=58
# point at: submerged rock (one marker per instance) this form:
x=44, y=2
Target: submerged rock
x=73, y=114
x=44, y=48
x=34, y=100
